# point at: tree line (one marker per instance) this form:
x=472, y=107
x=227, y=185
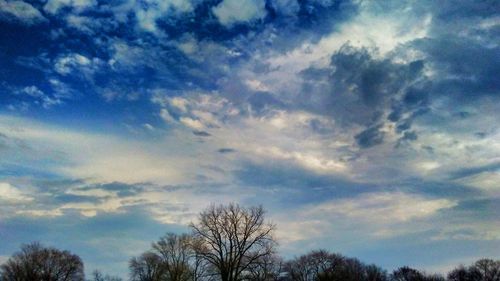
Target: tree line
x=227, y=243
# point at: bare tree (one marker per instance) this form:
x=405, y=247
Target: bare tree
x=351, y=270
x=321, y=265
x=173, y=258
x=200, y=267
x=233, y=238
x=406, y=273
x=460, y=273
x=267, y=268
x=481, y=270
x=35, y=262
x=176, y=253
x=488, y=269
x=99, y=276
x=147, y=267
x=318, y=264
x=375, y=273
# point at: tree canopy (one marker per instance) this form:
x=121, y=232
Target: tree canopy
x=226, y=243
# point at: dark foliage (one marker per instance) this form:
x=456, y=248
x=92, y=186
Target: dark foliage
x=409, y=274
x=324, y=266
x=482, y=270
x=36, y=262
x=99, y=276
x=228, y=243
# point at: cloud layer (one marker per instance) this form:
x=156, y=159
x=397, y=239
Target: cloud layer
x=364, y=127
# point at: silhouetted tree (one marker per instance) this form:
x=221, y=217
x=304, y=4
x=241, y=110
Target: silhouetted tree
x=173, y=258
x=406, y=273
x=320, y=265
x=316, y=265
x=175, y=252
x=434, y=277
x=375, y=273
x=147, y=267
x=482, y=270
x=459, y=274
x=35, y=262
x=233, y=238
x=409, y=274
x=201, y=269
x=266, y=268
x=351, y=270
x=98, y=276
x=488, y=269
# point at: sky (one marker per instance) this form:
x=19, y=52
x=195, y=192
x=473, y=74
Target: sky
x=369, y=128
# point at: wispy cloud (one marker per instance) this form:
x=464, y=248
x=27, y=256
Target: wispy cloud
x=20, y=11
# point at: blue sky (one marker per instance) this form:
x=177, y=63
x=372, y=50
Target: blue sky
x=366, y=128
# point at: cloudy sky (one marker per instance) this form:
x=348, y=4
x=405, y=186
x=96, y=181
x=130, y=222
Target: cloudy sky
x=366, y=128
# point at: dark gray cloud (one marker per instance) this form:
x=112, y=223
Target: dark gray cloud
x=260, y=102
x=121, y=189
x=226, y=150
x=370, y=137
x=303, y=184
x=71, y=198
x=466, y=69
x=361, y=90
x=201, y=134
x=467, y=172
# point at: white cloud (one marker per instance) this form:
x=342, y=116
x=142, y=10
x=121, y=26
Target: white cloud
x=125, y=55
x=381, y=214
x=101, y=158
x=182, y=206
x=20, y=10
x=112, y=205
x=256, y=85
x=148, y=127
x=376, y=32
x=192, y=123
x=40, y=97
x=87, y=24
x=40, y=213
x=486, y=181
x=95, y=192
x=472, y=230
x=12, y=194
x=272, y=136
x=166, y=116
x=189, y=45
x=70, y=63
x=454, y=150
x=61, y=89
x=179, y=103
x=196, y=110
x=382, y=208
x=166, y=204
x=128, y=57
x=54, y=6
x=230, y=12
x=309, y=160
x=150, y=11
x=33, y=91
